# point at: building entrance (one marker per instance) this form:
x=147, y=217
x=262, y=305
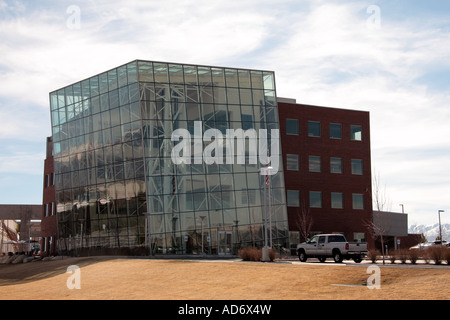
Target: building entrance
x=225, y=238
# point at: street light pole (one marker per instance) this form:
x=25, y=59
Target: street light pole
x=147, y=243
x=265, y=252
x=440, y=229
x=203, y=218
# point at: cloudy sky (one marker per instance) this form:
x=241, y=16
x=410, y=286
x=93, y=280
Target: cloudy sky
x=391, y=58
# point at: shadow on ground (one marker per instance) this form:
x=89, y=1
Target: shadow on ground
x=11, y=274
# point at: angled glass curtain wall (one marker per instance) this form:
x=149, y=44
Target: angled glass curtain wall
x=116, y=184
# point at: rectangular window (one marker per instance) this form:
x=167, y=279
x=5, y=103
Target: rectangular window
x=292, y=162
x=315, y=199
x=335, y=130
x=359, y=236
x=293, y=198
x=337, y=200
x=313, y=129
x=356, y=132
x=358, y=201
x=292, y=126
x=335, y=165
x=357, y=166
x=314, y=164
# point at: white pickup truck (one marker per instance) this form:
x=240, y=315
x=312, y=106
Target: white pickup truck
x=323, y=246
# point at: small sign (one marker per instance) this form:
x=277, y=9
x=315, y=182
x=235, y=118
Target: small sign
x=185, y=238
x=208, y=239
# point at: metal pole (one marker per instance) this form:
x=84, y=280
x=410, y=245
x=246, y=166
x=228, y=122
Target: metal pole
x=203, y=218
x=265, y=215
x=147, y=232
x=270, y=208
x=440, y=229
x=265, y=251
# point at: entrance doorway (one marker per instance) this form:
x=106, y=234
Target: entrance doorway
x=225, y=243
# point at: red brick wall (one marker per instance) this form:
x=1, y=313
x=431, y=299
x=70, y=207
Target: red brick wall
x=327, y=219
x=48, y=224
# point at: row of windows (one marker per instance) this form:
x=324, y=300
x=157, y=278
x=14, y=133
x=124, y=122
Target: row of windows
x=173, y=73
x=315, y=164
x=160, y=73
x=315, y=199
x=314, y=129
x=114, y=99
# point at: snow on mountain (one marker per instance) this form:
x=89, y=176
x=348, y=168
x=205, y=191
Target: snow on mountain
x=431, y=231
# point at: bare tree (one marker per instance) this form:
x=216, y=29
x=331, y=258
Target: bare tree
x=382, y=203
x=304, y=221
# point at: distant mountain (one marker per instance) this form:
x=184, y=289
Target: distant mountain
x=431, y=231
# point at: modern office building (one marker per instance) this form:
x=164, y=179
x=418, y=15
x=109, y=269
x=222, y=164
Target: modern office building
x=118, y=187
x=326, y=156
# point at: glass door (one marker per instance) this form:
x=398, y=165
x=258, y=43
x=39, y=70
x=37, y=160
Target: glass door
x=224, y=242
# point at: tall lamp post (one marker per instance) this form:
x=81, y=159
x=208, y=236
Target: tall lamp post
x=265, y=252
x=203, y=219
x=440, y=229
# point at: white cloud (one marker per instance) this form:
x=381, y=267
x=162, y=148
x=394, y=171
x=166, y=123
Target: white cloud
x=332, y=59
x=322, y=53
x=23, y=162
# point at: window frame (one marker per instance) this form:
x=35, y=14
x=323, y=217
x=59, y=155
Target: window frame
x=320, y=163
x=360, y=170
x=353, y=133
x=355, y=207
x=315, y=193
x=340, y=130
x=340, y=163
x=312, y=128
x=341, y=200
x=287, y=127
x=297, y=162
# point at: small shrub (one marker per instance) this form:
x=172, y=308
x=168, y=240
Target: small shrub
x=272, y=254
x=250, y=254
x=255, y=254
x=425, y=254
x=447, y=255
x=393, y=257
x=373, y=255
x=413, y=255
x=403, y=255
x=437, y=253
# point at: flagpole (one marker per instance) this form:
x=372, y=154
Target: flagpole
x=270, y=209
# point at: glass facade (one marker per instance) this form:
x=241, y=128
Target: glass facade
x=117, y=187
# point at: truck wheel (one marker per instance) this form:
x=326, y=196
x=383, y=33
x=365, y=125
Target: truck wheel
x=337, y=256
x=322, y=259
x=302, y=256
x=357, y=259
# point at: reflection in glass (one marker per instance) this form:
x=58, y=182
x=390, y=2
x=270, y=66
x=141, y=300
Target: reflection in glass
x=112, y=146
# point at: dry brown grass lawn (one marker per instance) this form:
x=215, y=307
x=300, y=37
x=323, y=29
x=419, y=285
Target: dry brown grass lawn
x=112, y=278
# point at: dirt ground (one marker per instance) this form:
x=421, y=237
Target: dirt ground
x=152, y=279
